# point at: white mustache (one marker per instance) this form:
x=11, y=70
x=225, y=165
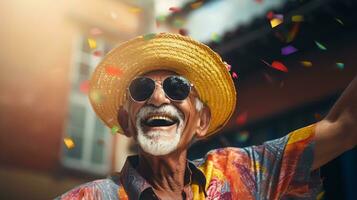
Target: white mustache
x=170, y=110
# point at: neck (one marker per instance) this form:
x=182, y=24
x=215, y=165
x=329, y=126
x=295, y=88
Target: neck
x=164, y=173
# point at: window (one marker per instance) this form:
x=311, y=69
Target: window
x=92, y=149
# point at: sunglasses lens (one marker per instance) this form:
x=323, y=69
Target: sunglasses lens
x=176, y=87
x=141, y=88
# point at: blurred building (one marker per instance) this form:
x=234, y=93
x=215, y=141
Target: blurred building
x=49, y=49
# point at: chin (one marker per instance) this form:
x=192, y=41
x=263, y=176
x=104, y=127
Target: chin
x=159, y=142
x=154, y=144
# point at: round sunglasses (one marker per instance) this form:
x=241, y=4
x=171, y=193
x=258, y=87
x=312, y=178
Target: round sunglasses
x=176, y=88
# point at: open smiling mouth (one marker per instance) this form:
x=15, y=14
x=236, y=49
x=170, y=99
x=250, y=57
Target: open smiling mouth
x=159, y=120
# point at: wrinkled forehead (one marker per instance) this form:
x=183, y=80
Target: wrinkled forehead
x=159, y=75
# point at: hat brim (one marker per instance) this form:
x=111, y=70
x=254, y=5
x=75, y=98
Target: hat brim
x=183, y=55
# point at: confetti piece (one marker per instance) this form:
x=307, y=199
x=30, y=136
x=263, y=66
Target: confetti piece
x=259, y=1
x=175, y=9
x=96, y=96
x=234, y=75
x=306, y=63
x=279, y=66
x=318, y=116
x=69, y=142
x=216, y=38
x=320, y=195
x=178, y=22
x=160, y=19
x=196, y=4
x=135, y=10
x=268, y=78
x=228, y=66
x=114, y=129
x=320, y=46
x=270, y=15
x=293, y=32
x=92, y=43
x=149, y=36
x=275, y=22
x=97, y=53
x=288, y=50
x=113, y=71
x=297, y=18
x=242, y=118
x=340, y=65
x=84, y=87
x=339, y=21
x=279, y=16
x=95, y=31
x=183, y=32
x=242, y=136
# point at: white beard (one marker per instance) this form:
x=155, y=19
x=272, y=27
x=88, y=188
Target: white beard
x=154, y=142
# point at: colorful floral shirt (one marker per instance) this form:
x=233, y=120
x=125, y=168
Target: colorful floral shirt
x=277, y=169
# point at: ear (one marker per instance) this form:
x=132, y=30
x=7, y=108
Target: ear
x=203, y=122
x=123, y=120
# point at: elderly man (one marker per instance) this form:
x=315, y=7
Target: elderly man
x=173, y=90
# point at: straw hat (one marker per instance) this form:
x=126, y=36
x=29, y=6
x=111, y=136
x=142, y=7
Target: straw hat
x=183, y=55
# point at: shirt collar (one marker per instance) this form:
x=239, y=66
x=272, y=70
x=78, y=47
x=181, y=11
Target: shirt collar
x=134, y=184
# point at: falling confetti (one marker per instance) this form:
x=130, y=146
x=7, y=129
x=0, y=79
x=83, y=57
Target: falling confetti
x=279, y=16
x=297, y=18
x=340, y=65
x=259, y=1
x=114, y=129
x=268, y=78
x=293, y=32
x=160, y=19
x=270, y=15
x=175, y=9
x=149, y=36
x=135, y=10
x=242, y=118
x=69, y=142
x=183, y=32
x=288, y=50
x=216, y=38
x=95, y=31
x=242, y=136
x=320, y=195
x=228, y=66
x=179, y=22
x=318, y=116
x=96, y=96
x=196, y=4
x=306, y=63
x=279, y=66
x=275, y=22
x=92, y=43
x=339, y=21
x=84, y=87
x=97, y=53
x=320, y=46
x=113, y=71
x=234, y=75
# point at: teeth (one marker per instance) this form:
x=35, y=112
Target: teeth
x=150, y=119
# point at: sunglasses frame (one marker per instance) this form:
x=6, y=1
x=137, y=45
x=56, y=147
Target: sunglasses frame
x=161, y=84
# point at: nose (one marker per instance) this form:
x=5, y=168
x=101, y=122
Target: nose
x=158, y=98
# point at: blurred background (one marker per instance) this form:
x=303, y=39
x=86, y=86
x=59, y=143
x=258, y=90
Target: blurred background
x=290, y=60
